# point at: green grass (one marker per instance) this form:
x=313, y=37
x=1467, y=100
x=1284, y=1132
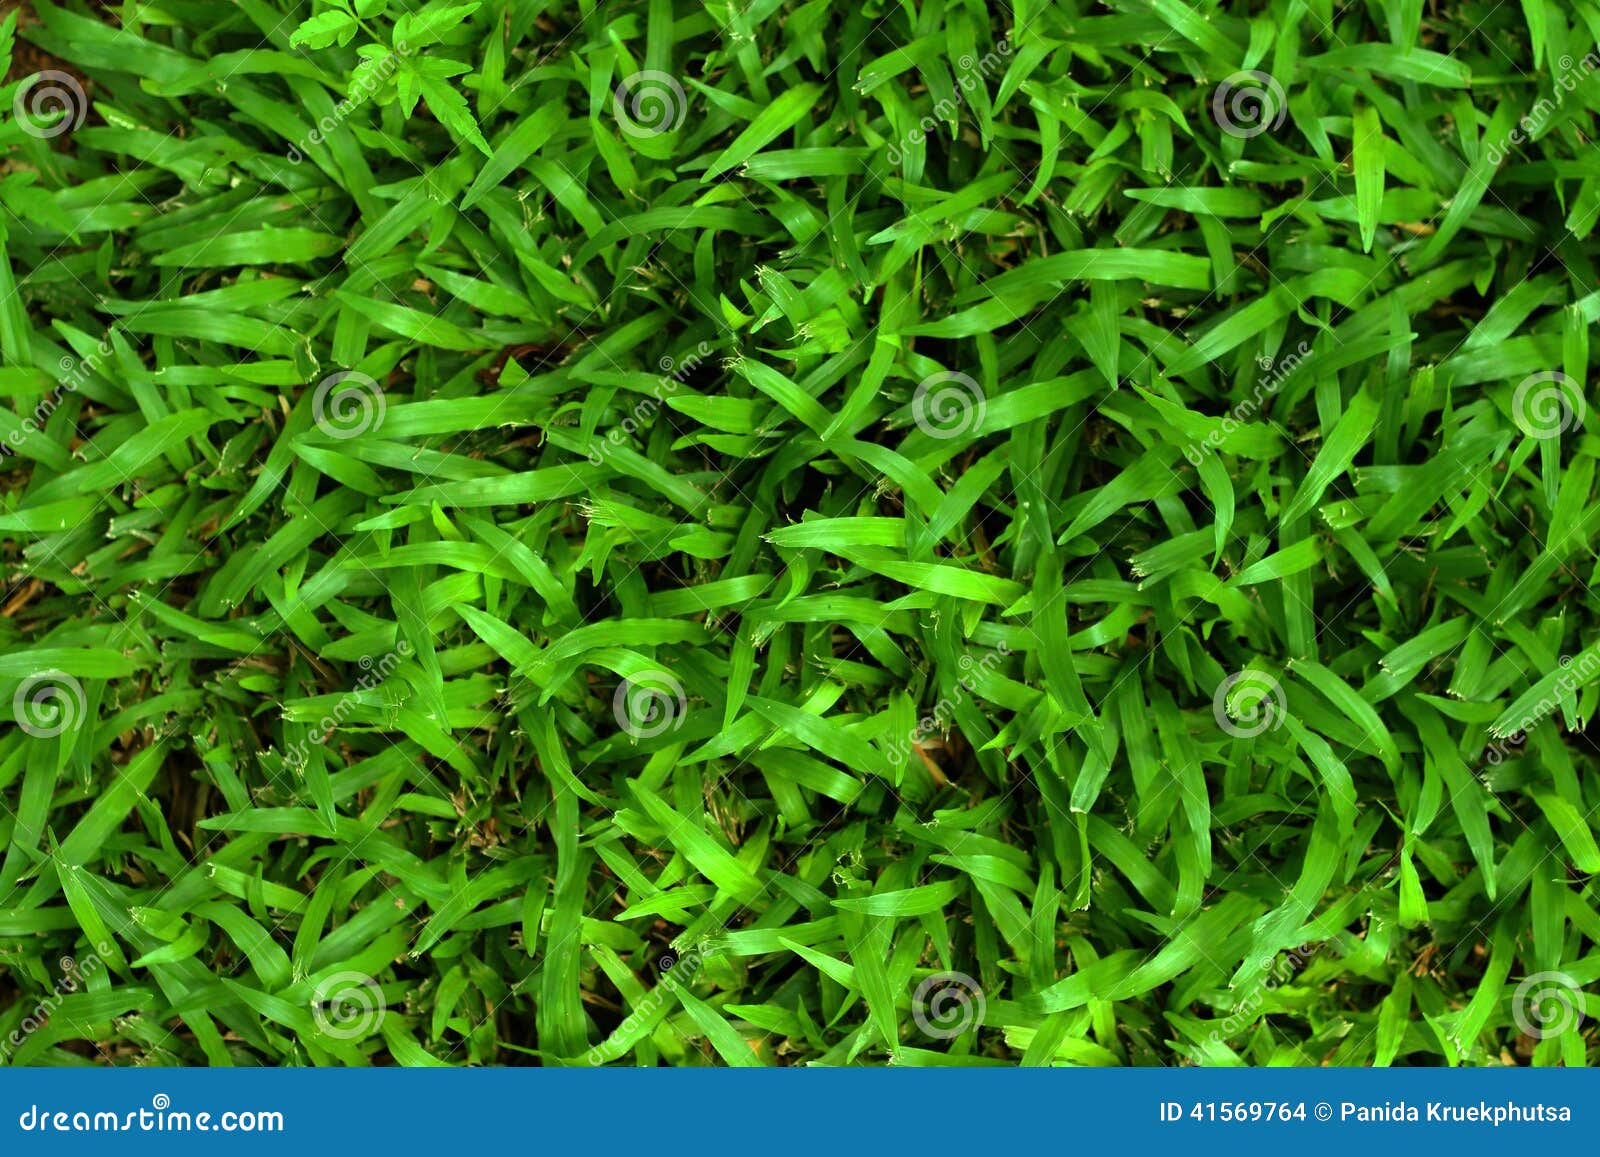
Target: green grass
x=797, y=532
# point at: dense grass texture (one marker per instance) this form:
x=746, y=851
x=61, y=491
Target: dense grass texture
x=798, y=532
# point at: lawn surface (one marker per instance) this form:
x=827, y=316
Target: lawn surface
x=775, y=533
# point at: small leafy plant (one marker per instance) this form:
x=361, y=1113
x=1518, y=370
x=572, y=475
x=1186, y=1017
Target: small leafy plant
x=402, y=61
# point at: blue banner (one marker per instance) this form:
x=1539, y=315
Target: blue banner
x=827, y=1111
